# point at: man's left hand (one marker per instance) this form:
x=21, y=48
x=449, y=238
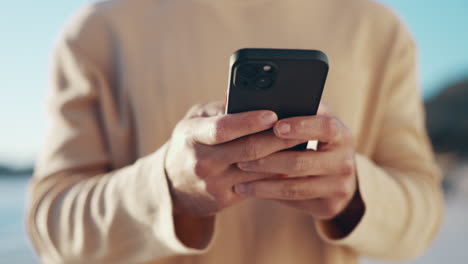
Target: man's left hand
x=321, y=183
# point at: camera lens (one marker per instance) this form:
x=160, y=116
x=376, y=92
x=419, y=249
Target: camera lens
x=241, y=82
x=248, y=70
x=263, y=82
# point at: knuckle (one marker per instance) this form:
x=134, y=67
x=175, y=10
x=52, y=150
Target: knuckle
x=194, y=110
x=186, y=140
x=301, y=124
x=219, y=131
x=189, y=140
x=223, y=200
x=212, y=109
x=343, y=189
x=331, y=127
x=288, y=191
x=250, y=149
x=211, y=187
x=292, y=191
x=202, y=153
x=257, y=163
x=330, y=209
x=202, y=168
x=198, y=110
x=287, y=143
x=347, y=167
x=298, y=163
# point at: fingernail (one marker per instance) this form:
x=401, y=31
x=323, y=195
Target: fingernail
x=269, y=118
x=284, y=128
x=241, y=189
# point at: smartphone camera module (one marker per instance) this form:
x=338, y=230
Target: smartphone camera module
x=254, y=76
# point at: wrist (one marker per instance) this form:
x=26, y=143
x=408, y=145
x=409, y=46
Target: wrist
x=194, y=231
x=345, y=222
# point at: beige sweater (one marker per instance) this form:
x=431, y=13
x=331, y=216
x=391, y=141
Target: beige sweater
x=125, y=72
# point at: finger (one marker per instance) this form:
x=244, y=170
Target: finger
x=302, y=163
x=254, y=147
x=224, y=128
x=287, y=189
x=321, y=208
x=205, y=110
x=236, y=176
x=321, y=127
x=213, y=109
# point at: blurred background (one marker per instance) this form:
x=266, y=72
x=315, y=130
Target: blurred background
x=27, y=33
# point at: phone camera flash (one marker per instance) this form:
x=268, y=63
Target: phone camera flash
x=267, y=68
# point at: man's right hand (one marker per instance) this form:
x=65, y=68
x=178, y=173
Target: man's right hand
x=204, y=149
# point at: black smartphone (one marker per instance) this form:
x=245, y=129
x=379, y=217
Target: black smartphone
x=287, y=81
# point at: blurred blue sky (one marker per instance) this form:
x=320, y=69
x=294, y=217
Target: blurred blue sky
x=29, y=28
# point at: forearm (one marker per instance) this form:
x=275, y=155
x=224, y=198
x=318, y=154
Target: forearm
x=403, y=211
x=124, y=216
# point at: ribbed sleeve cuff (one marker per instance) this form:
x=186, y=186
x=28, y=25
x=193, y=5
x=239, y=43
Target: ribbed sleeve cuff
x=163, y=222
x=376, y=190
